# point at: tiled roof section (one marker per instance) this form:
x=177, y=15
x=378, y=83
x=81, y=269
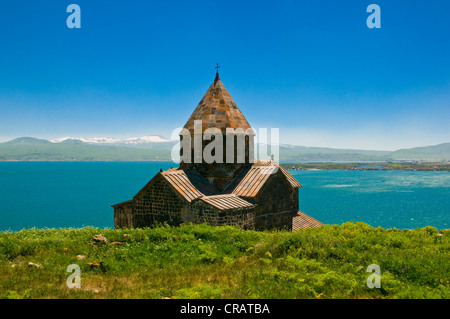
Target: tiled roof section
x=253, y=181
x=227, y=202
x=200, y=182
x=217, y=109
x=291, y=179
x=257, y=176
x=128, y=202
x=303, y=221
x=261, y=162
x=179, y=180
x=189, y=183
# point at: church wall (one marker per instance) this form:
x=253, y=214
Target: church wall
x=219, y=174
x=201, y=212
x=158, y=203
x=277, y=205
x=123, y=215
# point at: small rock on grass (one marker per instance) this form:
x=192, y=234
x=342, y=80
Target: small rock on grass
x=116, y=243
x=30, y=264
x=98, y=265
x=99, y=239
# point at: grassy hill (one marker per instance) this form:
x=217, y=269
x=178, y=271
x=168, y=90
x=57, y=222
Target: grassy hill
x=200, y=261
x=302, y=153
x=435, y=152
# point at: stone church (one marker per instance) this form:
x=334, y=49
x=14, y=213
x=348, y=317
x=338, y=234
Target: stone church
x=252, y=194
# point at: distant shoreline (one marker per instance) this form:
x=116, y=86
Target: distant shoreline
x=308, y=166
x=376, y=166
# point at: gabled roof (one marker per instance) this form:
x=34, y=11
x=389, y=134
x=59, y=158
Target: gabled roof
x=303, y=221
x=217, y=109
x=128, y=202
x=291, y=179
x=227, y=202
x=257, y=176
x=179, y=181
x=190, y=184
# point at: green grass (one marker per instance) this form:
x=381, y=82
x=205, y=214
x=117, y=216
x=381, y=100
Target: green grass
x=200, y=261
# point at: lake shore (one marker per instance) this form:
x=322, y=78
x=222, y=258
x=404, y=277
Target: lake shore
x=310, y=166
x=384, y=166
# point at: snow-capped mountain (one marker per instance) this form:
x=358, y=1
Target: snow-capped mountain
x=112, y=140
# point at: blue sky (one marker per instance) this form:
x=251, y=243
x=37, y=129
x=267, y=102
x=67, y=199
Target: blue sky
x=313, y=69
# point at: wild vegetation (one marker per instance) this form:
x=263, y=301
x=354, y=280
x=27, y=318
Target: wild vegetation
x=201, y=261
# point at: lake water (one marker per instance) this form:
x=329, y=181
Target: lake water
x=76, y=194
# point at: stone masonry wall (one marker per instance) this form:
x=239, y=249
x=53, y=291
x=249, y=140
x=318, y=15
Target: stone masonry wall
x=277, y=205
x=220, y=174
x=158, y=204
x=123, y=215
x=200, y=212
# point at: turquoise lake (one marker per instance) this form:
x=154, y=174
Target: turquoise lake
x=77, y=194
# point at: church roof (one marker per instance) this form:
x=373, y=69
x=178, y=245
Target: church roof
x=258, y=175
x=191, y=185
x=183, y=182
x=217, y=109
x=291, y=179
x=227, y=202
x=303, y=221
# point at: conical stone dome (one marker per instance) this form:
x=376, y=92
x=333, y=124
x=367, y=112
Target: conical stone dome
x=217, y=109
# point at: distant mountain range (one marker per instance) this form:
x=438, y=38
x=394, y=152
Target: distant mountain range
x=149, y=148
x=152, y=148
x=439, y=152
x=113, y=141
